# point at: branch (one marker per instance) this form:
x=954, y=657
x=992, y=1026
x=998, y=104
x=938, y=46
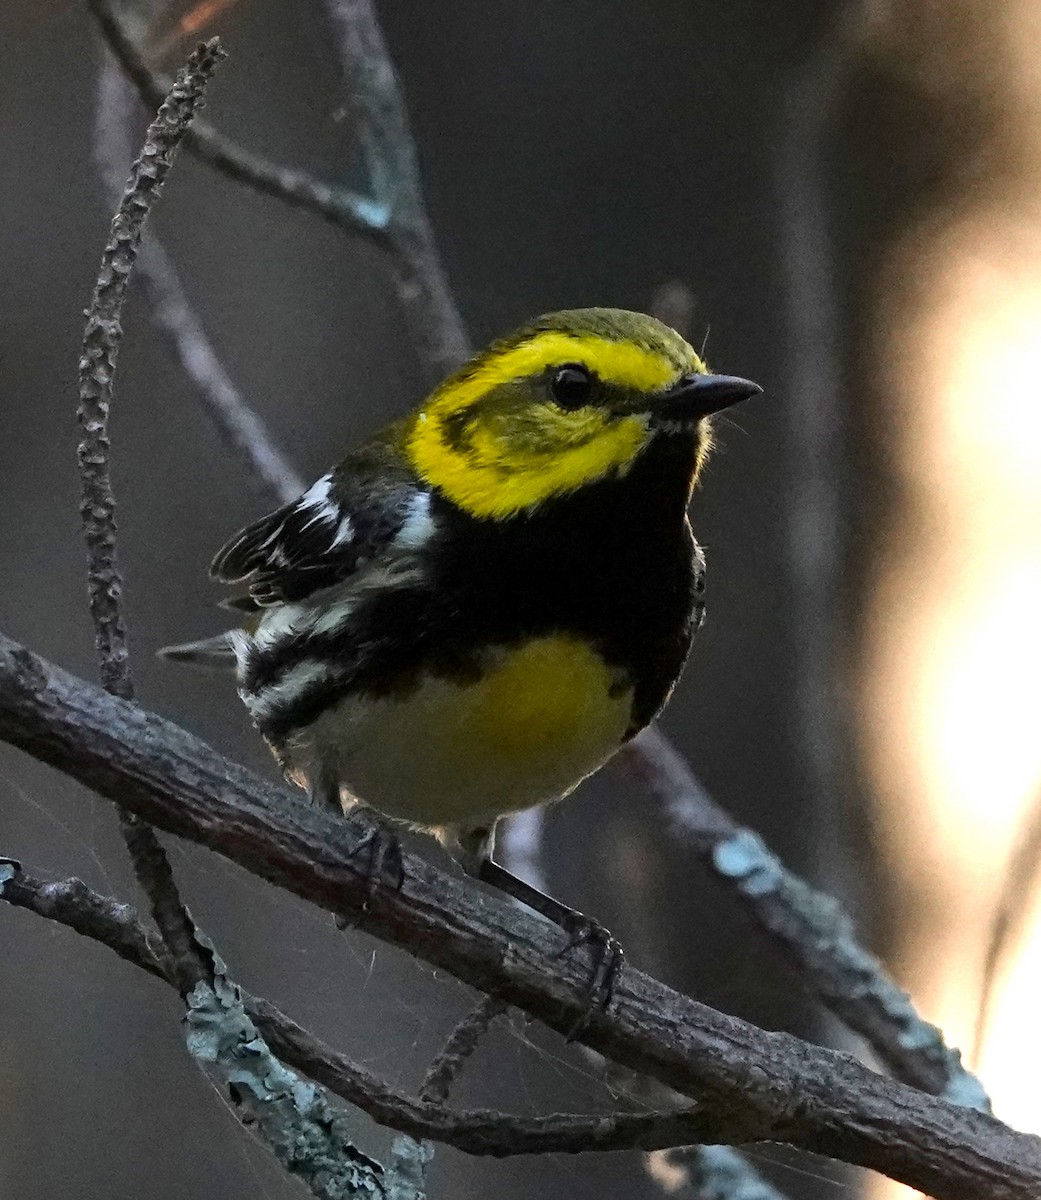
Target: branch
x=410, y=1156
x=754, y=1085
x=101, y=341
x=809, y=926
x=113, y=924
x=462, y=1042
x=393, y=219
x=102, y=337
x=308, y=1136
x=390, y=154
x=343, y=208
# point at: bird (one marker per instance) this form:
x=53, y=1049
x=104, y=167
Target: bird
x=481, y=605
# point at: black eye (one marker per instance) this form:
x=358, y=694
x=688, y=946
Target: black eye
x=572, y=385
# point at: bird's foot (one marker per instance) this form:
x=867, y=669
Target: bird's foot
x=380, y=849
x=608, y=957
x=606, y=953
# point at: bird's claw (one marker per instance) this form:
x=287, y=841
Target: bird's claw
x=608, y=958
x=381, y=848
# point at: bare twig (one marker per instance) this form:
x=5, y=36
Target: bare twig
x=751, y=1085
x=71, y=903
x=810, y=926
x=411, y=1156
x=240, y=428
x=390, y=155
x=393, y=218
x=101, y=341
x=338, y=205
x=462, y=1042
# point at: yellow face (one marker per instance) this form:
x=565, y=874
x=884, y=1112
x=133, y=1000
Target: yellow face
x=567, y=401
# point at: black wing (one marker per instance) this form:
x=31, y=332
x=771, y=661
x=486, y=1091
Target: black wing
x=345, y=519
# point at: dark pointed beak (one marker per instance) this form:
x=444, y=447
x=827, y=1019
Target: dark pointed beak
x=696, y=396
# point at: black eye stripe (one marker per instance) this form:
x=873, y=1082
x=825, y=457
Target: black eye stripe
x=571, y=385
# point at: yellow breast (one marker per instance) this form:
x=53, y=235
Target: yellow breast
x=542, y=716
x=544, y=697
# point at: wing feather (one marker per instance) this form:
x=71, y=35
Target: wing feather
x=346, y=518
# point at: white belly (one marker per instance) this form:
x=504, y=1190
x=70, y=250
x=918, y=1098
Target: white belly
x=542, y=717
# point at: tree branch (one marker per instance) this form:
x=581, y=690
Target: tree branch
x=461, y=1044
x=393, y=218
x=71, y=903
x=809, y=926
x=343, y=208
x=753, y=1085
x=102, y=337
x=390, y=155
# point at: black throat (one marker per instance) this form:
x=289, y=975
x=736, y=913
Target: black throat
x=613, y=562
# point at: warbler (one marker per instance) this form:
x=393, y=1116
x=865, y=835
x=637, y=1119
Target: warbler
x=481, y=605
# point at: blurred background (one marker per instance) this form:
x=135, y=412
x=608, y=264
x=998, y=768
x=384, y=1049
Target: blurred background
x=845, y=201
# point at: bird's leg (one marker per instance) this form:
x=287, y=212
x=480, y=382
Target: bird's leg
x=325, y=794
x=476, y=847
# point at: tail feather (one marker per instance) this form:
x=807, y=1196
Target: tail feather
x=212, y=653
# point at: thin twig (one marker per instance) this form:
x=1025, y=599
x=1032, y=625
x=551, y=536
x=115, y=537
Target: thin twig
x=462, y=1042
x=390, y=154
x=411, y=1156
x=811, y=927
x=239, y=427
x=101, y=342
x=342, y=207
x=392, y=218
x=750, y=1085
x=109, y=922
